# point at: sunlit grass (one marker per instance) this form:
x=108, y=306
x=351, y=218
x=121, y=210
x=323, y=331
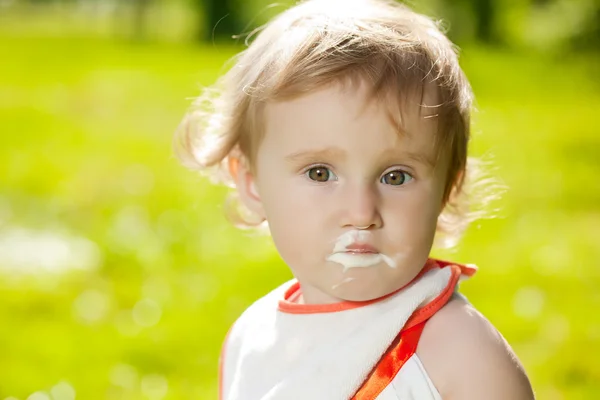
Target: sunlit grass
x=85, y=145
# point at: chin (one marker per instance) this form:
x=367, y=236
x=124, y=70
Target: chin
x=351, y=293
x=366, y=285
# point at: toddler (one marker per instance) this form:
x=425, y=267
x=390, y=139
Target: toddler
x=344, y=128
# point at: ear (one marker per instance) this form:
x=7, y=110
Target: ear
x=246, y=185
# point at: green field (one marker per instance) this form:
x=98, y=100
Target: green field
x=119, y=274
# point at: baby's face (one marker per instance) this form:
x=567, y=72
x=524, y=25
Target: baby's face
x=352, y=205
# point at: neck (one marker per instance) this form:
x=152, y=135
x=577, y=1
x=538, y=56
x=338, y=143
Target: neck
x=312, y=295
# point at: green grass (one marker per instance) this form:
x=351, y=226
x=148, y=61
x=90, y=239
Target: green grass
x=85, y=150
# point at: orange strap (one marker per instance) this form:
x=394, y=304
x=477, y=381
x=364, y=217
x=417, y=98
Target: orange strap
x=395, y=358
x=391, y=363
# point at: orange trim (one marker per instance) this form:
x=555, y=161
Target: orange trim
x=389, y=366
x=288, y=305
x=427, y=311
x=465, y=269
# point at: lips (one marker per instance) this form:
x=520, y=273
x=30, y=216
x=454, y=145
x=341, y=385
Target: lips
x=361, y=248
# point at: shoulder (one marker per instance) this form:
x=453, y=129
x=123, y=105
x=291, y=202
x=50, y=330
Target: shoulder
x=467, y=358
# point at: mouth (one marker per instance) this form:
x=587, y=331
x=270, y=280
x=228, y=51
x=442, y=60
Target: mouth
x=357, y=259
x=352, y=250
x=360, y=248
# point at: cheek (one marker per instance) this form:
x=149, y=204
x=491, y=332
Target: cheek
x=295, y=216
x=413, y=219
x=290, y=201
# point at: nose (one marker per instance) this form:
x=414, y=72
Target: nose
x=361, y=207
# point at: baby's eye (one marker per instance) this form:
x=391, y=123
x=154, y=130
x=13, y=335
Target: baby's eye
x=320, y=174
x=396, y=178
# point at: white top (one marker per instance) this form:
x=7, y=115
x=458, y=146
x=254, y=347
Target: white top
x=274, y=355
x=411, y=383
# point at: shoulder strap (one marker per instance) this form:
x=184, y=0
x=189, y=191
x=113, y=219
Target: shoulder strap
x=427, y=311
x=405, y=345
x=391, y=363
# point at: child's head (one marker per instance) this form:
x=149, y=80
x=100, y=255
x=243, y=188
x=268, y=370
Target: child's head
x=345, y=126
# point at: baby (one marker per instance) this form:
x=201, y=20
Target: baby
x=344, y=128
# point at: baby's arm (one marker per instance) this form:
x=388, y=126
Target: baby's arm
x=468, y=359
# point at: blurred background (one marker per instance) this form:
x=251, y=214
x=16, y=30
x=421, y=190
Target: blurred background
x=119, y=274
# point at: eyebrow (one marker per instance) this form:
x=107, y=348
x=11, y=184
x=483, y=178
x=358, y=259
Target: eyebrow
x=336, y=154
x=326, y=153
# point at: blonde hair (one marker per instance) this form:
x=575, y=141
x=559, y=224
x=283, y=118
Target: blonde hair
x=319, y=42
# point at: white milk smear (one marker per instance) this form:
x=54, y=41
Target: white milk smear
x=356, y=260
x=346, y=280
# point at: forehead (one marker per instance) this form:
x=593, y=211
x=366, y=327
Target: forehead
x=347, y=111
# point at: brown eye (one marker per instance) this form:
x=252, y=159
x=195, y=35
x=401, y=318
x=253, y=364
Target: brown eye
x=396, y=178
x=319, y=174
